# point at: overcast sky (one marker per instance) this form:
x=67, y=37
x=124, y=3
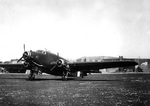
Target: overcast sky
x=75, y=28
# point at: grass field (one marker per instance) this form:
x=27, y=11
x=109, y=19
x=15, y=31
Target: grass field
x=93, y=90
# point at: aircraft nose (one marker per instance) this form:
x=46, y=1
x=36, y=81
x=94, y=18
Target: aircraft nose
x=26, y=55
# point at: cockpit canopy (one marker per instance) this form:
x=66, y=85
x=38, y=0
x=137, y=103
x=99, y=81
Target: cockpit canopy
x=41, y=51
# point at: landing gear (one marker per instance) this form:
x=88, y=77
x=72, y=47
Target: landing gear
x=64, y=78
x=65, y=75
x=31, y=76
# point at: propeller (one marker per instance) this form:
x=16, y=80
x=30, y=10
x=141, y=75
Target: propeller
x=53, y=67
x=20, y=59
x=59, y=63
x=25, y=54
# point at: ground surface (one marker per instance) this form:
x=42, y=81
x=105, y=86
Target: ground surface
x=94, y=90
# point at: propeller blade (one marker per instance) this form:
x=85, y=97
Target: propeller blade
x=20, y=59
x=20, y=69
x=53, y=67
x=24, y=47
x=23, y=53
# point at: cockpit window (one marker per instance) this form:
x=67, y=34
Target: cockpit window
x=41, y=51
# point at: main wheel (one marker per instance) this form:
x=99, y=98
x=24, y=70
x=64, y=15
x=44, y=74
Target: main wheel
x=31, y=77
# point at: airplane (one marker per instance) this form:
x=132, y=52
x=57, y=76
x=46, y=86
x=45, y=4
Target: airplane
x=46, y=62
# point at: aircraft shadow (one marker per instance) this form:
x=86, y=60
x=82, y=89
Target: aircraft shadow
x=69, y=79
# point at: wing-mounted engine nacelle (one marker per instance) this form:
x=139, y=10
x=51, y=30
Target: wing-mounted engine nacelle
x=61, y=63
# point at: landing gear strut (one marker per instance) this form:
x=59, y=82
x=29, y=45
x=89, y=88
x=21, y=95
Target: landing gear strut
x=31, y=75
x=65, y=75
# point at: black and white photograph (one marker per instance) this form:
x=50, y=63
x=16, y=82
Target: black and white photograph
x=74, y=52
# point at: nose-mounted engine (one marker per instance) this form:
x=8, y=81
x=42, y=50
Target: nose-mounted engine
x=29, y=63
x=26, y=57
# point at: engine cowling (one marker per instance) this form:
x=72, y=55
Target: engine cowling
x=63, y=68
x=61, y=63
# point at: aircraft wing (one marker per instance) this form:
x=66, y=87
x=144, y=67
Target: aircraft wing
x=74, y=66
x=13, y=68
x=78, y=66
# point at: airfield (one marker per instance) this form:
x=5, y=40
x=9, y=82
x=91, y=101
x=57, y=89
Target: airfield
x=122, y=89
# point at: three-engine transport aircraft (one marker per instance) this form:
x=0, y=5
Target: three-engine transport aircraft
x=47, y=62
